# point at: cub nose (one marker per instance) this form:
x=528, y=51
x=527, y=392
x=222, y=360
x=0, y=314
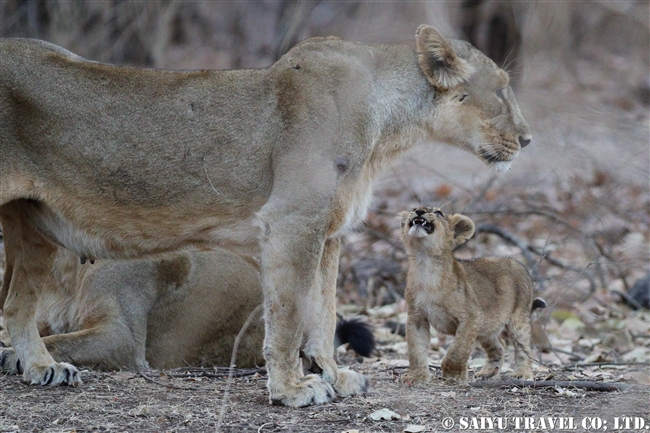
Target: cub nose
x=419, y=212
x=524, y=140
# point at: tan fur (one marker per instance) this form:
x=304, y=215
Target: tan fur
x=183, y=309
x=115, y=162
x=474, y=300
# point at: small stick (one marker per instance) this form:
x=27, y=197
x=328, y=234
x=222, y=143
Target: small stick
x=630, y=300
x=602, y=364
x=166, y=385
x=226, y=391
x=582, y=384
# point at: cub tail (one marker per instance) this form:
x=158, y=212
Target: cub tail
x=538, y=303
x=357, y=334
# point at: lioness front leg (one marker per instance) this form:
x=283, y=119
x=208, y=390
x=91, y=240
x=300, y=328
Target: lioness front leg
x=291, y=248
x=418, y=337
x=29, y=260
x=320, y=330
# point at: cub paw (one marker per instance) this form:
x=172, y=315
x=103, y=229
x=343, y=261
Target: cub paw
x=56, y=373
x=312, y=389
x=455, y=372
x=523, y=373
x=488, y=371
x=350, y=383
x=415, y=377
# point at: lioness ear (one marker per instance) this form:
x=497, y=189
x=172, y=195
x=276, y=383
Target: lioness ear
x=440, y=64
x=463, y=228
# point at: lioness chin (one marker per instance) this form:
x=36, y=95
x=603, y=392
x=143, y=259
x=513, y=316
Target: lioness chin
x=117, y=162
x=475, y=300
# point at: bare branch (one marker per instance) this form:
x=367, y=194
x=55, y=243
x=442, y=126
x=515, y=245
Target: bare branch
x=581, y=384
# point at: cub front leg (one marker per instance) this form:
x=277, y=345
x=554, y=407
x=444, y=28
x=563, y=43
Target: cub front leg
x=418, y=337
x=29, y=259
x=291, y=252
x=454, y=364
x=321, y=328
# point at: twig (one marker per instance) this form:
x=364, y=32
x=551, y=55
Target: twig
x=226, y=391
x=581, y=384
x=166, y=385
x=566, y=352
x=630, y=300
x=214, y=372
x=526, y=248
x=602, y=364
x=509, y=237
x=375, y=234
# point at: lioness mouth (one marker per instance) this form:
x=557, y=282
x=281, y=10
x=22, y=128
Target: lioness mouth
x=421, y=222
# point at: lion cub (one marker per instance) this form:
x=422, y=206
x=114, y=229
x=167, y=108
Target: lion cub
x=473, y=300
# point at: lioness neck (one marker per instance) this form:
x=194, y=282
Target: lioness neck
x=402, y=96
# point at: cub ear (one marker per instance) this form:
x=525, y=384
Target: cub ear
x=440, y=64
x=463, y=228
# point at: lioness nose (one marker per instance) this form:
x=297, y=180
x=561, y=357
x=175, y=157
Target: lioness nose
x=524, y=141
x=419, y=212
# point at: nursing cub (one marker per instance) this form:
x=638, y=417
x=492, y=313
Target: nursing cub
x=475, y=300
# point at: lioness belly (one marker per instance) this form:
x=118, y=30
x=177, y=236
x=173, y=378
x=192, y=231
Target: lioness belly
x=94, y=233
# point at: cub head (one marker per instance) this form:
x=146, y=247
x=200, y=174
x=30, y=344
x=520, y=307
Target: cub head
x=429, y=229
x=475, y=106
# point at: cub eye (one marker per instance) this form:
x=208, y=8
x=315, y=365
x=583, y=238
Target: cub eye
x=501, y=93
x=462, y=98
x=438, y=214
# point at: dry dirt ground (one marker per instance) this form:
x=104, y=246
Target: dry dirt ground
x=122, y=401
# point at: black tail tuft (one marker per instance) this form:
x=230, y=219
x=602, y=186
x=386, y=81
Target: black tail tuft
x=538, y=303
x=357, y=334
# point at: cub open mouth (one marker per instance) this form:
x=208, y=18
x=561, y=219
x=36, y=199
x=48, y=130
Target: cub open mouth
x=421, y=222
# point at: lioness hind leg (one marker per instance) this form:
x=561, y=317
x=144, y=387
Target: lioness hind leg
x=321, y=328
x=31, y=258
x=520, y=331
x=495, y=352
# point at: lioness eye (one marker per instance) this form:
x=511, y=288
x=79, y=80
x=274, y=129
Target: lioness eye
x=438, y=214
x=462, y=98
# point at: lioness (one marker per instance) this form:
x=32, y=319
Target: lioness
x=183, y=309
x=474, y=300
x=114, y=162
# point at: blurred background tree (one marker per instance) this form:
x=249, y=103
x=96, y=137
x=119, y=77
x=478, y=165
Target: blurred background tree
x=580, y=70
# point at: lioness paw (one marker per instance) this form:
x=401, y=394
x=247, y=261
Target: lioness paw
x=350, y=383
x=9, y=362
x=311, y=390
x=56, y=373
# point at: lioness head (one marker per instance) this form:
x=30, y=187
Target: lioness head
x=428, y=228
x=477, y=109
